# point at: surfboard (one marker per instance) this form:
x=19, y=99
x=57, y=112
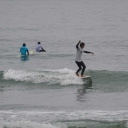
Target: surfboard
x=84, y=77
x=30, y=53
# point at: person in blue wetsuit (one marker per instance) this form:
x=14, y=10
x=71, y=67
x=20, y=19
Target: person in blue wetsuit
x=24, y=49
x=79, y=62
x=39, y=48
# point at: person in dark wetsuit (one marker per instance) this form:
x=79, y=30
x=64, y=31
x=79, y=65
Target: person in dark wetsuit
x=79, y=62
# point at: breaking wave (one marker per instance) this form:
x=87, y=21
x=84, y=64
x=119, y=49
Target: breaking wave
x=62, y=76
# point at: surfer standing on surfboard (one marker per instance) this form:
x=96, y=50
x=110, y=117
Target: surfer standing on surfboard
x=79, y=62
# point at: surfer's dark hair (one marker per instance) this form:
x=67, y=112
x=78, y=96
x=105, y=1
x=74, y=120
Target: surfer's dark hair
x=24, y=44
x=39, y=43
x=82, y=44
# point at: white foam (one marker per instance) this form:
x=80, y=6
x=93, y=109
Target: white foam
x=27, y=124
x=61, y=76
x=58, y=115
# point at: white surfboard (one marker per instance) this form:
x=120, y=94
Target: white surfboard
x=84, y=77
x=30, y=53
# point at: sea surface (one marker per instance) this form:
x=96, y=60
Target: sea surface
x=42, y=90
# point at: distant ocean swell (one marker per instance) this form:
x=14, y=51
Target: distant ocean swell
x=66, y=77
x=68, y=124
x=61, y=119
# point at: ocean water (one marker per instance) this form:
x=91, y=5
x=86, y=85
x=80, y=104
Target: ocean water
x=42, y=91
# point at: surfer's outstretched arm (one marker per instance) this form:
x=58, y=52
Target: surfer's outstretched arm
x=88, y=52
x=78, y=44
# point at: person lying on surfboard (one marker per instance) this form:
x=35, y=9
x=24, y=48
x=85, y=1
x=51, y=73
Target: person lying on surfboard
x=79, y=62
x=39, y=48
